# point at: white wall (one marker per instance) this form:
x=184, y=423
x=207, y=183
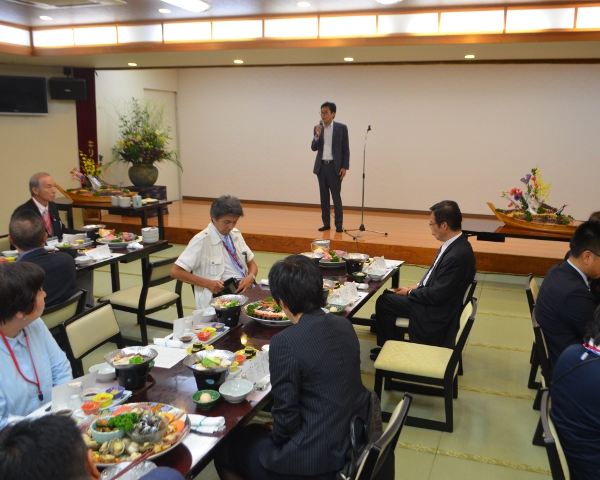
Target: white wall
x=113, y=90
x=462, y=132
x=30, y=144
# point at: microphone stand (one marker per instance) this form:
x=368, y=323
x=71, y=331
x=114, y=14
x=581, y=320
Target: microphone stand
x=362, y=216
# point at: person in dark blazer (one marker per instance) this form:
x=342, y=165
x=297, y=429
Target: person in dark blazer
x=331, y=143
x=434, y=305
x=43, y=193
x=28, y=233
x=565, y=305
x=316, y=387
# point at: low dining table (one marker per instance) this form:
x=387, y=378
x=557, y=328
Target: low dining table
x=124, y=255
x=176, y=385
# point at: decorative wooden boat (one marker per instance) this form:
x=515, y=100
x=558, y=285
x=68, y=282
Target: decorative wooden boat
x=507, y=219
x=78, y=198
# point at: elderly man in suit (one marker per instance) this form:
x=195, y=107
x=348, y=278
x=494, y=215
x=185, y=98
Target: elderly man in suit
x=28, y=233
x=434, y=305
x=331, y=143
x=43, y=192
x=565, y=304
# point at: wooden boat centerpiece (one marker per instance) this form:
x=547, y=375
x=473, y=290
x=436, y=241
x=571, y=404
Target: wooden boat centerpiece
x=100, y=196
x=546, y=222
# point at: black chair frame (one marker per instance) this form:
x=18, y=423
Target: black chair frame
x=546, y=372
x=556, y=468
x=533, y=358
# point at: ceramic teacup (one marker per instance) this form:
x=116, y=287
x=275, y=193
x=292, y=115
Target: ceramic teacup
x=125, y=202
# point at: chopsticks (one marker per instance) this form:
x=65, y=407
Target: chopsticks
x=137, y=461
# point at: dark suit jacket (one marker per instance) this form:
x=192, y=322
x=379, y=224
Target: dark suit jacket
x=563, y=309
x=317, y=389
x=58, y=228
x=436, y=307
x=60, y=274
x=340, y=148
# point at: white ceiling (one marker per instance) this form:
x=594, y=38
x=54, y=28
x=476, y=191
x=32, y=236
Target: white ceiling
x=528, y=48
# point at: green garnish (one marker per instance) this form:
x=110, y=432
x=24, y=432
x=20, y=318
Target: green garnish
x=269, y=299
x=211, y=362
x=126, y=191
x=250, y=309
x=136, y=359
x=277, y=308
x=233, y=303
x=125, y=421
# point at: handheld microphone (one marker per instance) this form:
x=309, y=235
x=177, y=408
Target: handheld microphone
x=322, y=124
x=369, y=129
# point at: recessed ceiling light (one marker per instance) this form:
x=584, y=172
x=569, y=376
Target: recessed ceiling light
x=164, y=10
x=469, y=56
x=388, y=2
x=348, y=59
x=45, y=17
x=238, y=61
x=131, y=64
x=191, y=5
x=303, y=4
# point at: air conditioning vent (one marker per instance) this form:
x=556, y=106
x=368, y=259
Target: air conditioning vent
x=53, y=4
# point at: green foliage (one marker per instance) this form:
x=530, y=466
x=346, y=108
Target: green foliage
x=528, y=216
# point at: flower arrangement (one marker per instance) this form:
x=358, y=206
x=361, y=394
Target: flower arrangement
x=143, y=139
x=529, y=203
x=89, y=170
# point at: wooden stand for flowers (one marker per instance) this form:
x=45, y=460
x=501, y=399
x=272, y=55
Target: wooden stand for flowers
x=80, y=198
x=509, y=220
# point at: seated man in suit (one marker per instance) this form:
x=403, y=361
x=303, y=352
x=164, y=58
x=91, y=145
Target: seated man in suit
x=28, y=233
x=565, y=304
x=434, y=305
x=43, y=192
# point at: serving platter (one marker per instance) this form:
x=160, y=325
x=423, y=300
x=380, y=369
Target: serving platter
x=329, y=264
x=267, y=323
x=156, y=408
x=118, y=245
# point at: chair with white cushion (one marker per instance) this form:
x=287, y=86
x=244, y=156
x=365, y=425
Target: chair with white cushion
x=559, y=468
x=146, y=298
x=86, y=332
x=425, y=369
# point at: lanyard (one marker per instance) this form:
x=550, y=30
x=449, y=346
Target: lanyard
x=12, y=354
x=233, y=255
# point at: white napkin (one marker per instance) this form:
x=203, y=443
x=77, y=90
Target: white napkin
x=203, y=424
x=164, y=342
x=99, y=253
x=377, y=265
x=135, y=246
x=348, y=292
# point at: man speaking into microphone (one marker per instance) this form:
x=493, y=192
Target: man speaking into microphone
x=331, y=143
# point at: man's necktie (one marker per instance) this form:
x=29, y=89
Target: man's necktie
x=426, y=277
x=48, y=222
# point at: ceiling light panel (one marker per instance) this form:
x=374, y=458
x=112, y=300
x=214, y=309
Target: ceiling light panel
x=588, y=17
x=139, y=34
x=408, y=23
x=234, y=30
x=292, y=28
x=95, y=36
x=350, y=26
x=14, y=36
x=539, y=19
x=164, y=10
x=61, y=37
x=465, y=22
x=191, y=5
x=186, y=32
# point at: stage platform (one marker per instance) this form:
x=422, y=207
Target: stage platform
x=290, y=229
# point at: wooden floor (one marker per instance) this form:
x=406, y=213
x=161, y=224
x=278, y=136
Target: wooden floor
x=290, y=229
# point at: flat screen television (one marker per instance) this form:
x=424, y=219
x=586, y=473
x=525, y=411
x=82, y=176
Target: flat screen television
x=23, y=95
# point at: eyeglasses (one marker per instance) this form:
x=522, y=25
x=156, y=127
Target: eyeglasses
x=597, y=254
x=325, y=113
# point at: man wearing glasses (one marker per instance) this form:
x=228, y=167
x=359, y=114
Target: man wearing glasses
x=565, y=304
x=331, y=143
x=434, y=305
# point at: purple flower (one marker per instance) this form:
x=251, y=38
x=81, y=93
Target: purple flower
x=525, y=180
x=528, y=176
x=517, y=197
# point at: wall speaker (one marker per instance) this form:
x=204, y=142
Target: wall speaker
x=67, y=89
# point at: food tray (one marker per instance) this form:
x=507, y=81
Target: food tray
x=267, y=323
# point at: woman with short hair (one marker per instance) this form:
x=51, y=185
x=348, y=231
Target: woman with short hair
x=31, y=362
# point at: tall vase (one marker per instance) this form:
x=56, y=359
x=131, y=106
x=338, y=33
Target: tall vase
x=142, y=175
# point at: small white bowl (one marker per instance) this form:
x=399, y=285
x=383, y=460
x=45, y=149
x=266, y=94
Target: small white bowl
x=375, y=274
x=84, y=260
x=50, y=248
x=338, y=302
x=10, y=253
x=106, y=373
x=235, y=391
